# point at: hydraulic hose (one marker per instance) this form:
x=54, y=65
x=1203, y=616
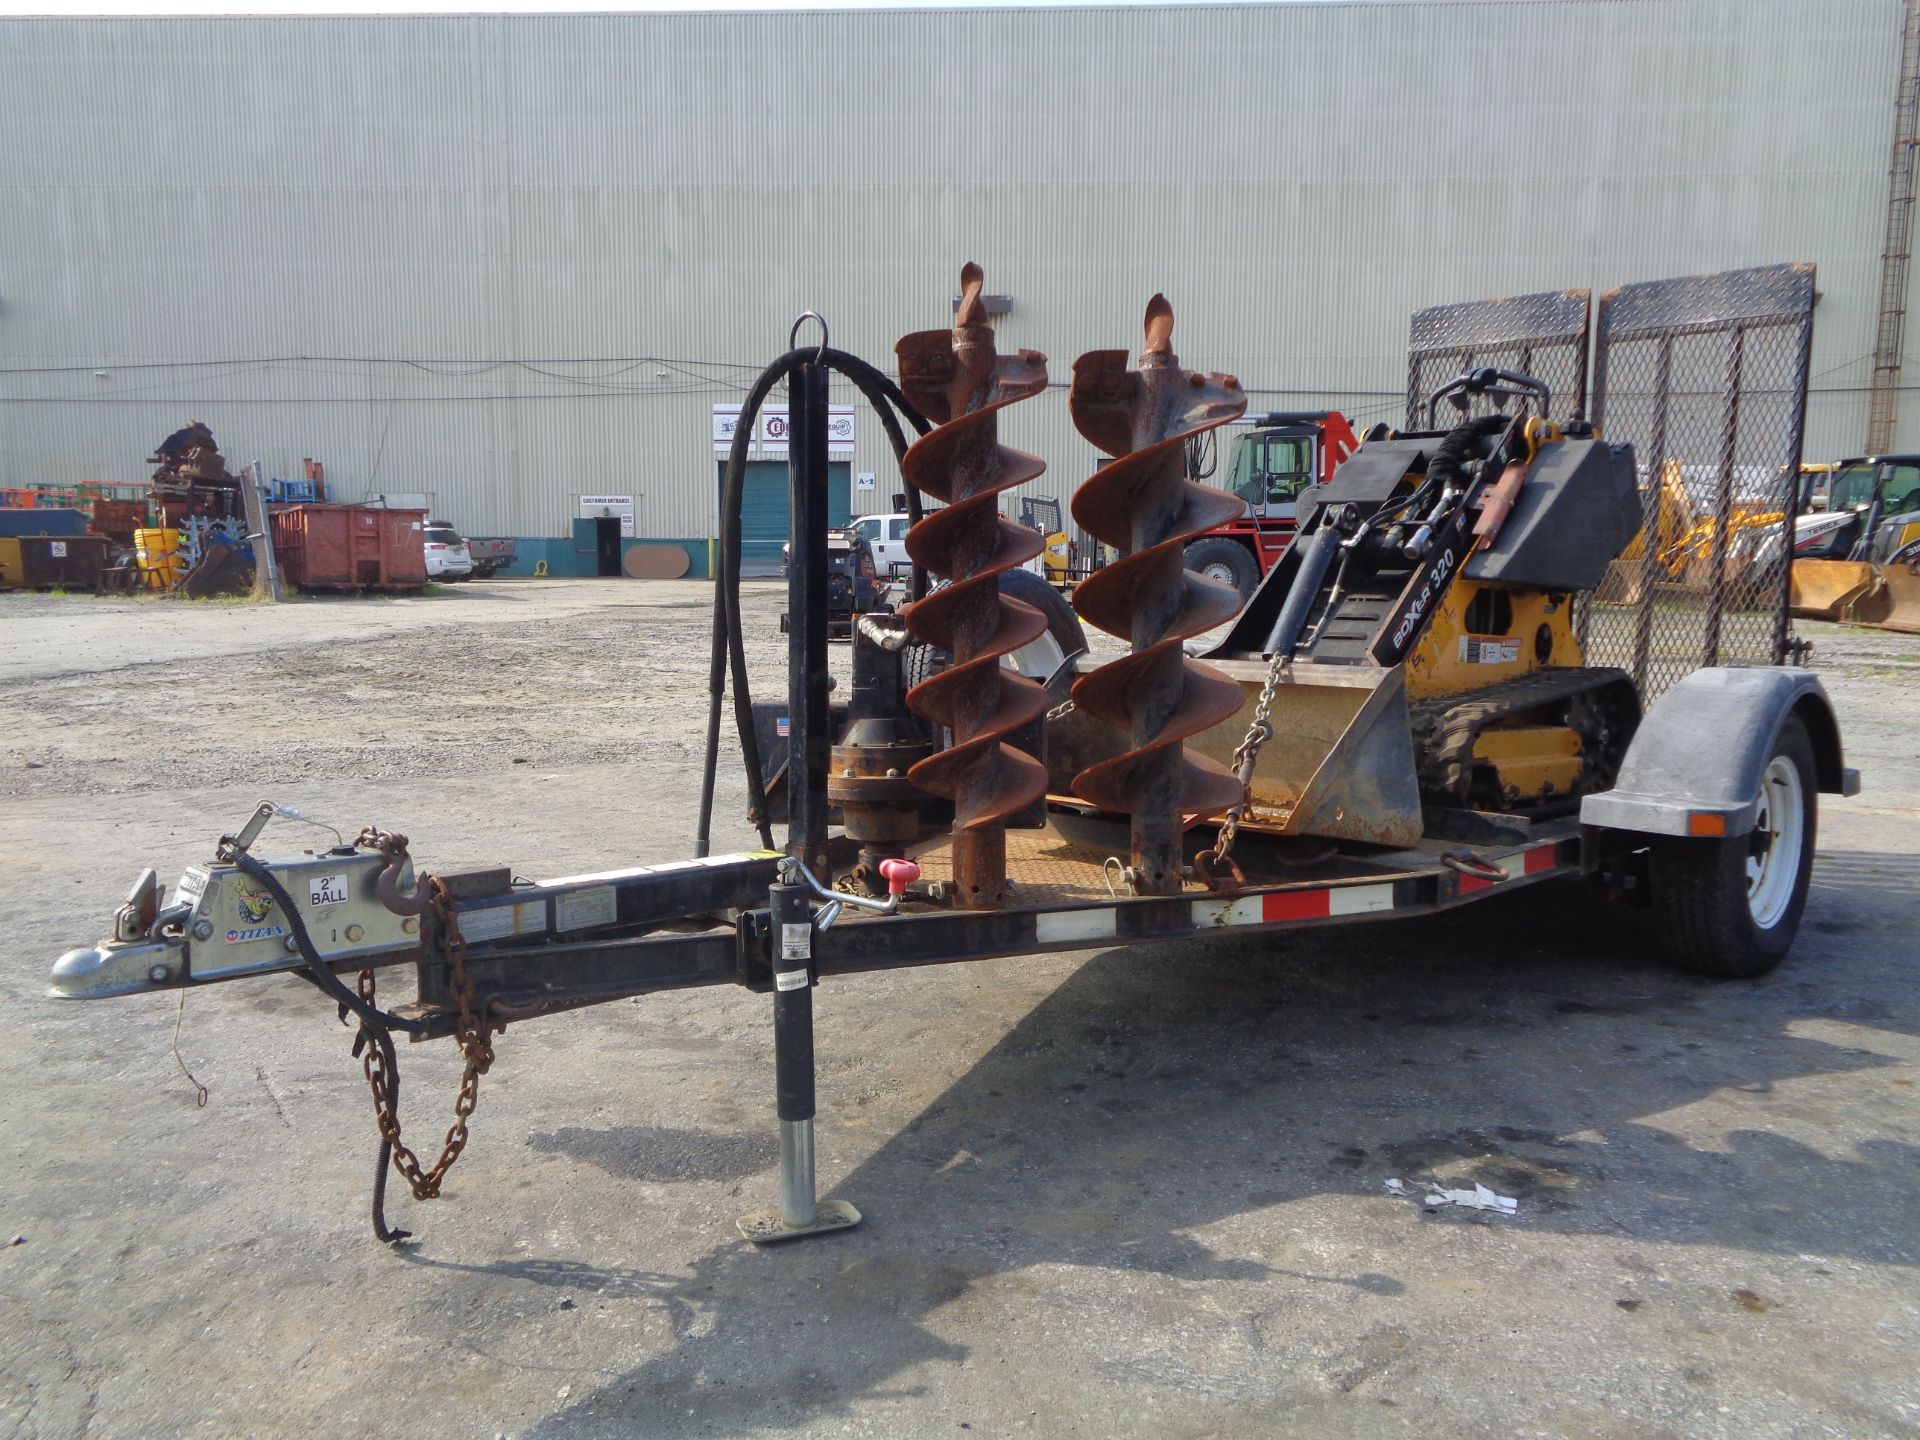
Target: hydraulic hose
x=317, y=969
x=1451, y=454
x=376, y=1027
x=728, y=639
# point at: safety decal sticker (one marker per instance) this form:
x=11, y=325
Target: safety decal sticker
x=1488, y=652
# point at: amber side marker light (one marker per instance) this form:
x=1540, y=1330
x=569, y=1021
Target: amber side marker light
x=1701, y=822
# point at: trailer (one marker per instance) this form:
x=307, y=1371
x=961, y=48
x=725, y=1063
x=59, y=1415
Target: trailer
x=1423, y=706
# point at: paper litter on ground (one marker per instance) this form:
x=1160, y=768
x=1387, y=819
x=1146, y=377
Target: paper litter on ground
x=1478, y=1198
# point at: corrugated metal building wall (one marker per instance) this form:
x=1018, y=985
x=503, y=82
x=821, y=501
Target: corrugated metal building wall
x=509, y=261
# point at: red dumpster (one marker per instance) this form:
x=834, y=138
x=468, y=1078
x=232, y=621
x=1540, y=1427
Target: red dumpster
x=345, y=547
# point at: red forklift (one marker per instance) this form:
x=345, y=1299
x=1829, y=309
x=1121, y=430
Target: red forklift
x=1275, y=457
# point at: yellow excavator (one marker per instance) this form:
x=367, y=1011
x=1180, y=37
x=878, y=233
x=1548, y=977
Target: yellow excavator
x=1857, y=560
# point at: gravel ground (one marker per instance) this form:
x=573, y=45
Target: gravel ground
x=1108, y=1193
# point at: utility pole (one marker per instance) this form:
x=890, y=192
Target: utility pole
x=1897, y=252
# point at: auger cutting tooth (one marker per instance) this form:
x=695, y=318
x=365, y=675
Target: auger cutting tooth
x=1143, y=506
x=958, y=379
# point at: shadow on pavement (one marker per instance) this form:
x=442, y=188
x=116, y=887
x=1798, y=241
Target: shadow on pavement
x=1535, y=1043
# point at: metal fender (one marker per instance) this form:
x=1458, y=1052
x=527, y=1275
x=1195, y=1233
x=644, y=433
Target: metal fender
x=1702, y=747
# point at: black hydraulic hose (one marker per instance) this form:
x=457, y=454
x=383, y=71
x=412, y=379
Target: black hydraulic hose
x=376, y=1027
x=728, y=638
x=317, y=969
x=726, y=591
x=1452, y=453
x=1443, y=468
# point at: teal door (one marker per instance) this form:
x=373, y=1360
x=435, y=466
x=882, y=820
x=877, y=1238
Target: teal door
x=763, y=510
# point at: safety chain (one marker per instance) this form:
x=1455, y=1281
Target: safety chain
x=476, y=1043
x=1061, y=711
x=1245, y=757
x=387, y=884
x=388, y=843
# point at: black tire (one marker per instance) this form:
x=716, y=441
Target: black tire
x=1225, y=560
x=923, y=662
x=1701, y=888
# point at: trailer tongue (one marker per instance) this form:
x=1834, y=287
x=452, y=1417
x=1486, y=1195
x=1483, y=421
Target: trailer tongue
x=1417, y=709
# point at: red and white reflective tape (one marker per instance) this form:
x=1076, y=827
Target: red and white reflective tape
x=1276, y=906
x=1096, y=924
x=1534, y=860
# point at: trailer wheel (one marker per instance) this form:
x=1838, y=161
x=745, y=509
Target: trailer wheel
x=1227, y=561
x=1042, y=659
x=1731, y=907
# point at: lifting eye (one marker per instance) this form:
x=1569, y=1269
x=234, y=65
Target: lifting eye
x=1543, y=643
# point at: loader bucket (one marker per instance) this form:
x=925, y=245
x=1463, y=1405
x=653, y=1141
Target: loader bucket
x=1339, y=763
x=1894, y=602
x=1827, y=589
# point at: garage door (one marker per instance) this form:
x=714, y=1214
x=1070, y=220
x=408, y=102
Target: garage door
x=763, y=510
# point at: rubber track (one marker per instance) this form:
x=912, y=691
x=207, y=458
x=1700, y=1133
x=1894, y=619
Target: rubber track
x=1445, y=730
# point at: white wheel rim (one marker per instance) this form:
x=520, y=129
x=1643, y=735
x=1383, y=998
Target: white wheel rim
x=1038, y=658
x=1773, y=854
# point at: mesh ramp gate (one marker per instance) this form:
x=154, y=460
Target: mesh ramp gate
x=1543, y=335
x=1706, y=377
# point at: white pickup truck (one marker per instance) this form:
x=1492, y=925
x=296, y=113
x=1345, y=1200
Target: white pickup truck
x=886, y=536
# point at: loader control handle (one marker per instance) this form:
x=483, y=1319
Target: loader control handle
x=1488, y=380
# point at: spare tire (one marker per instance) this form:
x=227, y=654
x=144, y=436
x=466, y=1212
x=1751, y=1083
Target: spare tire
x=1044, y=659
x=1226, y=561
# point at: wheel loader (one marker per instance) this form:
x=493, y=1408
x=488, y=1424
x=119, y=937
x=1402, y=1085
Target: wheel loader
x=1858, y=560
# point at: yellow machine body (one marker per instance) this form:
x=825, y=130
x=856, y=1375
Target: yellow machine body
x=1532, y=762
x=1055, y=559
x=1452, y=656
x=1343, y=758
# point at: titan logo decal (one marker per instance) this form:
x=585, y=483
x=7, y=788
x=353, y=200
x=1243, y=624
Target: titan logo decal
x=256, y=932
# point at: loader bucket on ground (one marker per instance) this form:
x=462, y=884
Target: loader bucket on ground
x=1339, y=763
x=1826, y=589
x=1893, y=603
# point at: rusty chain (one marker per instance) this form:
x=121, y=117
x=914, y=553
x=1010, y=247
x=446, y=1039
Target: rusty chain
x=1208, y=863
x=475, y=1038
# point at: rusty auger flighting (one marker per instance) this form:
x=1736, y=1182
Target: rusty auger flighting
x=957, y=379
x=1143, y=505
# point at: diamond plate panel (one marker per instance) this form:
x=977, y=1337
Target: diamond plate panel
x=1543, y=335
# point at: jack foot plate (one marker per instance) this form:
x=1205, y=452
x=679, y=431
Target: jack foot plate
x=766, y=1227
